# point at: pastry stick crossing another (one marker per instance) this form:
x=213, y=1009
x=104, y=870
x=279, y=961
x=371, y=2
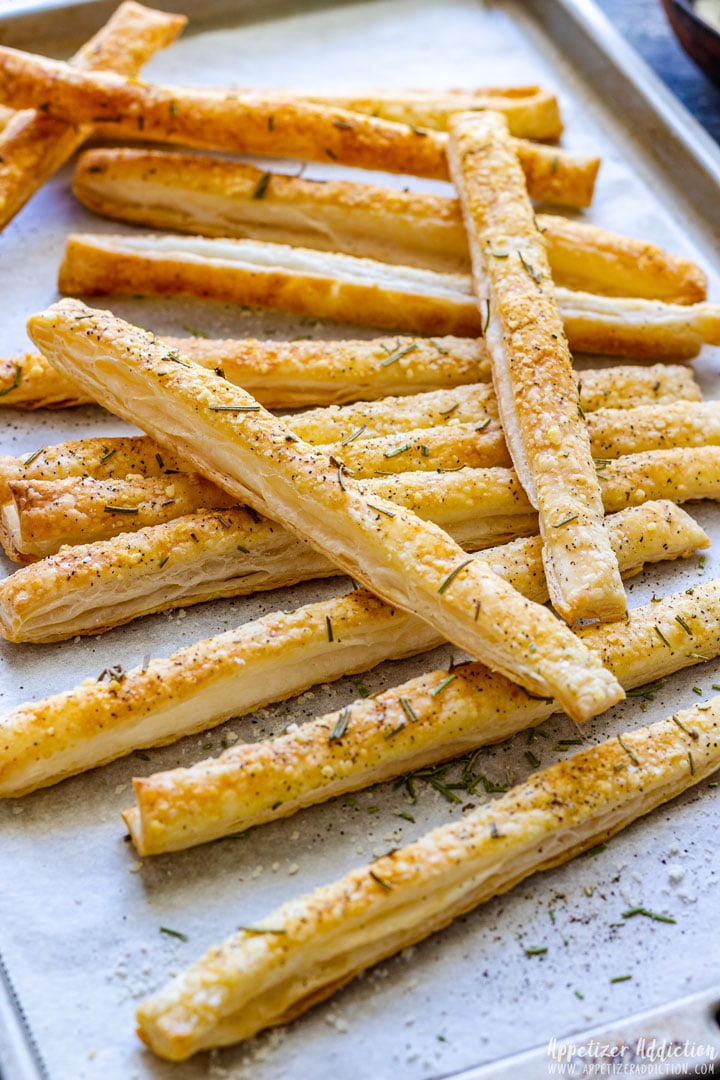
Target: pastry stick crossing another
x=532, y=370
x=226, y=435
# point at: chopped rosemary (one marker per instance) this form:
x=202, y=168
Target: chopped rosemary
x=424, y=450
x=381, y=881
x=449, y=411
x=262, y=929
x=193, y=331
x=17, y=376
x=452, y=575
x=404, y=814
x=241, y=547
x=381, y=510
x=173, y=933
x=621, y=978
x=697, y=690
x=36, y=453
x=408, y=710
x=397, y=355
x=594, y=850
x=629, y=751
x=691, y=763
x=223, y=521
x=441, y=686
x=646, y=691
x=494, y=831
x=262, y=185
x=234, y=408
x=398, y=450
x=554, y=164
x=537, y=950
x=571, y=742
x=395, y=731
x=343, y=125
x=361, y=688
x=537, y=278
x=328, y=624
x=109, y=508
x=113, y=450
x=662, y=637
x=174, y=355
x=487, y=318
x=565, y=521
x=532, y=759
x=701, y=562
x=687, y=730
x=163, y=562
x=341, y=726
x=354, y=435
x=478, y=608
x=483, y=424
x=679, y=619
x=160, y=461
x=632, y=912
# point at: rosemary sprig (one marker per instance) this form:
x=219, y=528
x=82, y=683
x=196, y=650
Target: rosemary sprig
x=234, y=408
x=441, y=686
x=566, y=521
x=341, y=726
x=36, y=453
x=386, y=885
x=452, y=575
x=662, y=637
x=397, y=355
x=687, y=730
x=629, y=751
x=17, y=376
x=262, y=186
x=397, y=451
x=640, y=910
x=110, y=508
x=408, y=710
x=354, y=435
x=174, y=933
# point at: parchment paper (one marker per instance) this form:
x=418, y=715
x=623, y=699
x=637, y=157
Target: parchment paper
x=80, y=918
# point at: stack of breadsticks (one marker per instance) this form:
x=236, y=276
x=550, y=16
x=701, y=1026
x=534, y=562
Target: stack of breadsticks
x=459, y=470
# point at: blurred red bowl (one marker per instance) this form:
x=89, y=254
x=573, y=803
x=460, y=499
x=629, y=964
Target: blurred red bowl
x=700, y=40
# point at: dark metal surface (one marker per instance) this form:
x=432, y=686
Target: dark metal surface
x=644, y=24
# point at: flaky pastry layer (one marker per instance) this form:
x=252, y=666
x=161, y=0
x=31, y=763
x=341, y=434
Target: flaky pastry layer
x=33, y=145
x=268, y=660
x=533, y=375
x=348, y=289
x=303, y=951
x=215, y=197
x=234, y=442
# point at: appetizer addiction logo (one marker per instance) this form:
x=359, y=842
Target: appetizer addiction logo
x=646, y=1056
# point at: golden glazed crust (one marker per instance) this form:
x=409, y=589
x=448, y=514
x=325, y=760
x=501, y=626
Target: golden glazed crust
x=323, y=939
x=33, y=146
x=89, y=589
x=258, y=123
x=215, y=197
x=344, y=288
x=396, y=733
x=232, y=441
x=533, y=375
x=227, y=675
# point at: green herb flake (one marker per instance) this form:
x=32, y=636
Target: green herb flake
x=662, y=637
x=262, y=929
x=17, y=376
x=261, y=186
x=566, y=521
x=691, y=763
x=621, y=978
x=629, y=751
x=354, y=435
x=163, y=562
x=632, y=912
x=173, y=933
x=441, y=686
x=398, y=450
x=31, y=457
x=487, y=318
x=537, y=278
x=688, y=731
x=329, y=625
x=405, y=816
x=341, y=725
x=679, y=619
x=532, y=759
x=408, y=710
x=234, y=408
x=397, y=355
x=594, y=850
x=537, y=950
x=110, y=508
x=395, y=731
x=109, y=453
x=386, y=885
x=452, y=575
x=381, y=510
x=193, y=331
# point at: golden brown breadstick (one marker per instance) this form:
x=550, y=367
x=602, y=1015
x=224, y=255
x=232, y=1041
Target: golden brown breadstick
x=531, y=114
x=533, y=375
x=283, y=375
x=344, y=288
x=233, y=441
x=215, y=197
x=303, y=951
x=33, y=145
x=229, y=674
x=401, y=730
x=44, y=515
x=254, y=123
x=90, y=588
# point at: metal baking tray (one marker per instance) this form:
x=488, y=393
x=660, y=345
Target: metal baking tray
x=80, y=919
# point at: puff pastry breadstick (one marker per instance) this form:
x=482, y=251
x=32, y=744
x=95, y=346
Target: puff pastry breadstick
x=33, y=146
x=229, y=675
x=255, y=123
x=96, y=586
x=284, y=375
x=344, y=288
x=401, y=730
x=531, y=112
x=44, y=515
x=532, y=371
x=228, y=437
x=216, y=197
x=314, y=944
